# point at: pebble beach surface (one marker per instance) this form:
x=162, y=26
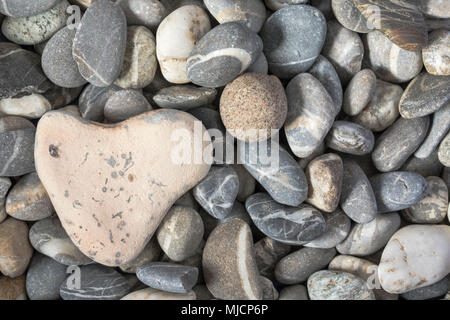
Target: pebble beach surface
x=224, y=149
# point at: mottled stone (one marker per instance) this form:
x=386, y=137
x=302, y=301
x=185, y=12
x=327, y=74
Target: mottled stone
x=229, y=265
x=430, y=166
x=416, y=256
x=147, y=13
x=367, y=238
x=292, y=47
x=444, y=151
x=359, y=92
x=349, y=137
x=151, y=253
x=100, y=42
x=435, y=54
x=25, y=8
x=12, y=288
x=17, y=152
x=299, y=265
x=247, y=183
x=349, y=16
x=267, y=253
x=294, y=292
x=310, y=114
x=153, y=294
x=93, y=99
x=124, y=104
x=435, y=290
x=184, y=97
x=60, y=97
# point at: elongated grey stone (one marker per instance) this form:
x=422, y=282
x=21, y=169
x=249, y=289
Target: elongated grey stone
x=290, y=225
x=396, y=144
x=17, y=152
x=397, y=190
x=267, y=253
x=184, y=97
x=93, y=99
x=25, y=8
x=349, y=137
x=359, y=92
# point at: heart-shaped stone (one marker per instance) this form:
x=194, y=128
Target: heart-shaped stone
x=111, y=185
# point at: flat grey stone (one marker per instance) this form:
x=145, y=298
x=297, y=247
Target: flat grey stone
x=147, y=13
x=17, y=152
x=359, y=92
x=184, y=97
x=349, y=137
x=435, y=290
x=93, y=99
x=25, y=8
x=124, y=104
x=349, y=16
x=267, y=253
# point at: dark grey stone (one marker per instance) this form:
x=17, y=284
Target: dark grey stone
x=223, y=54
x=324, y=6
x=430, y=166
x=349, y=137
x=397, y=190
x=124, y=104
x=25, y=8
x=147, y=13
x=292, y=47
x=17, y=152
x=398, y=142
x=60, y=97
x=93, y=99
x=169, y=277
x=267, y=253
x=184, y=97
x=100, y=42
x=12, y=123
x=435, y=290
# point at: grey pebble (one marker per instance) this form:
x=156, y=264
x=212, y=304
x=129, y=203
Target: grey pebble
x=202, y=293
x=267, y=253
x=268, y=289
x=275, y=5
x=184, y=97
x=359, y=92
x=93, y=99
x=303, y=162
x=260, y=65
x=147, y=13
x=446, y=176
x=349, y=137
x=60, y=97
x=12, y=123
x=25, y=8
x=5, y=184
x=349, y=16
x=239, y=212
x=124, y=104
x=294, y=292
x=151, y=253
x=324, y=6
x=430, y=166
x=17, y=152
x=247, y=183
x=444, y=151
x=435, y=290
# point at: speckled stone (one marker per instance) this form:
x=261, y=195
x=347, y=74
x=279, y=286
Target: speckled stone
x=324, y=175
x=151, y=253
x=382, y=110
x=435, y=54
x=433, y=207
x=247, y=183
x=253, y=101
x=100, y=42
x=278, y=4
x=25, y=8
x=15, y=249
x=222, y=54
x=17, y=152
x=349, y=16
x=359, y=92
x=48, y=237
x=351, y=138
x=357, y=197
x=435, y=290
x=389, y=61
x=337, y=229
x=260, y=65
x=153, y=294
x=344, y=49
x=12, y=288
x=397, y=143
x=217, y=192
x=294, y=292
x=124, y=104
x=229, y=265
x=400, y=21
x=44, y=278
x=416, y=256
x=290, y=225
x=97, y=283
x=176, y=37
x=430, y=166
x=139, y=63
x=310, y=114
x=444, y=151
x=37, y=28
x=292, y=47
x=424, y=95
x=93, y=99
x=267, y=253
x=299, y=265
x=367, y=238
x=147, y=13
x=251, y=13
x=397, y=190
x=184, y=97
x=276, y=170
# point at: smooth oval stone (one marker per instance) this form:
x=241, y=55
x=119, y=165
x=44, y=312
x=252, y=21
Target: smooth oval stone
x=57, y=60
x=400, y=21
x=294, y=292
x=416, y=256
x=180, y=233
x=31, y=106
x=337, y=229
x=100, y=42
x=14, y=63
x=382, y=110
x=168, y=277
x=310, y=114
x=176, y=37
x=357, y=197
x=430, y=166
x=292, y=47
x=25, y=8
x=125, y=178
x=17, y=152
x=12, y=288
x=397, y=143
x=260, y=65
x=436, y=56
x=344, y=49
x=349, y=16
x=184, y=97
x=338, y=285
x=97, y=282
x=139, y=63
x=28, y=199
x=435, y=290
x=444, y=151
x=289, y=225
x=247, y=183
x=37, y=28
x=48, y=237
x=424, y=95
x=217, y=192
x=147, y=13
x=229, y=266
x=325, y=72
x=251, y=13
x=93, y=99
x=433, y=207
x=44, y=278
x=397, y=190
x=359, y=92
x=222, y=54
x=324, y=175
x=124, y=104
x=267, y=253
x=367, y=238
x=365, y=269
x=389, y=61
x=349, y=137
x=439, y=127
x=275, y=5
x=277, y=172
x=151, y=253
x=153, y=294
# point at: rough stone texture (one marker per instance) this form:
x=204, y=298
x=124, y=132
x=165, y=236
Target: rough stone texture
x=292, y=47
x=294, y=292
x=184, y=97
x=151, y=253
x=17, y=152
x=25, y=8
x=153, y=294
x=93, y=99
x=267, y=253
x=444, y=151
x=12, y=288
x=124, y=104
x=349, y=16
x=349, y=137
x=229, y=265
x=109, y=192
x=435, y=55
x=359, y=92
x=435, y=290
x=147, y=13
